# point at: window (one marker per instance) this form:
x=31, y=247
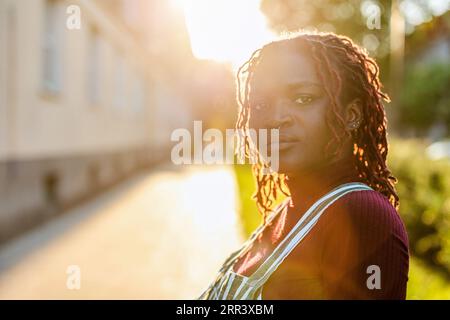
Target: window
x=138, y=95
x=52, y=64
x=94, y=67
x=120, y=83
x=142, y=95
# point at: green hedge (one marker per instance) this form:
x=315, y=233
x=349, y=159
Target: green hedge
x=425, y=98
x=424, y=191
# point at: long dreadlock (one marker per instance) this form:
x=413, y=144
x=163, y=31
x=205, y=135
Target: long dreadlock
x=344, y=69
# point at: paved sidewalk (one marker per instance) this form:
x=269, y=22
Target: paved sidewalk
x=160, y=235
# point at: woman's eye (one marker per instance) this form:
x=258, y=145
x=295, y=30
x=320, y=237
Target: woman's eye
x=303, y=99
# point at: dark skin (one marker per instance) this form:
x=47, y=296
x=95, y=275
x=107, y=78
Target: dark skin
x=286, y=93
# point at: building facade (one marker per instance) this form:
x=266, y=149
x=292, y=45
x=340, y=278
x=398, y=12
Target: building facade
x=80, y=108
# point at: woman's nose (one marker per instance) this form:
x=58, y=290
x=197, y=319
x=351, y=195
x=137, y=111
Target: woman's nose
x=280, y=116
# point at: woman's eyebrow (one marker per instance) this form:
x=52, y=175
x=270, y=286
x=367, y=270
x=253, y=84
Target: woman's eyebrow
x=302, y=84
x=288, y=88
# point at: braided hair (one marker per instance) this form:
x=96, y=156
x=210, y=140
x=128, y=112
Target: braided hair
x=346, y=72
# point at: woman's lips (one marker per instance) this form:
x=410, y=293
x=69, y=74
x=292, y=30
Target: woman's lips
x=284, y=143
x=283, y=138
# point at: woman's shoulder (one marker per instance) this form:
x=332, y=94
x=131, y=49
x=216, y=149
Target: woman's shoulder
x=368, y=208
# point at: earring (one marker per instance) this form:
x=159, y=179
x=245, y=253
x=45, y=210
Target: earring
x=355, y=124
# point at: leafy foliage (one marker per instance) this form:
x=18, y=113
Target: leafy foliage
x=424, y=191
x=425, y=98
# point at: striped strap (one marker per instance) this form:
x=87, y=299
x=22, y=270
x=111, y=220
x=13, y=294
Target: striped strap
x=229, y=262
x=300, y=230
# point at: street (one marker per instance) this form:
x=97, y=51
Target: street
x=160, y=235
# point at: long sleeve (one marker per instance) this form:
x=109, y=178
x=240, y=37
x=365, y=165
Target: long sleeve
x=364, y=246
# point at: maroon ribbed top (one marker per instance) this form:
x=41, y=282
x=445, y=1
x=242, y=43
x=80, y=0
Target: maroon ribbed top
x=333, y=261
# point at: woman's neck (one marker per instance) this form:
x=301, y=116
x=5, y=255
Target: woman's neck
x=308, y=185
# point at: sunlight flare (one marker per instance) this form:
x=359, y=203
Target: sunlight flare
x=225, y=30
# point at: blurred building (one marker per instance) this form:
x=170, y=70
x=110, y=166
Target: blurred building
x=81, y=109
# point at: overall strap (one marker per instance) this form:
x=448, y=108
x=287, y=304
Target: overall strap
x=297, y=233
x=229, y=262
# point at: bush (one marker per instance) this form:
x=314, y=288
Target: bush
x=424, y=191
x=425, y=98
x=426, y=283
x=249, y=214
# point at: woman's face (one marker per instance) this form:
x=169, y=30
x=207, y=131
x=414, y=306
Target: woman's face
x=286, y=93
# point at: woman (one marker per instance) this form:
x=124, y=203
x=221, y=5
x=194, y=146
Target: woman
x=337, y=235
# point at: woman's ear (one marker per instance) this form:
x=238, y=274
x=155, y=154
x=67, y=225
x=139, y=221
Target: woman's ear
x=353, y=114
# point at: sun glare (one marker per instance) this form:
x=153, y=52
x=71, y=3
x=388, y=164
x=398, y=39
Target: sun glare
x=225, y=30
